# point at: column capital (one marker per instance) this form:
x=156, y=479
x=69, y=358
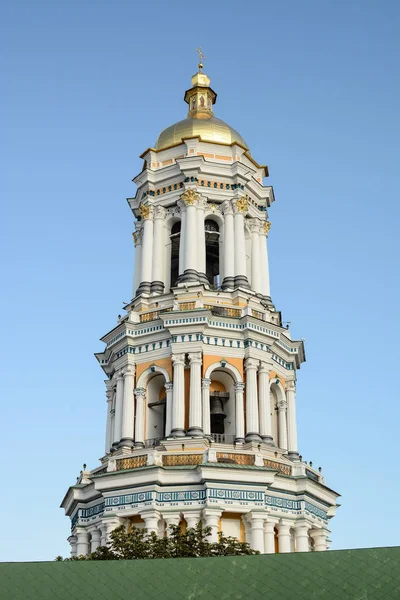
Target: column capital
x=284, y=523
x=109, y=395
x=302, y=524
x=202, y=203
x=240, y=205
x=195, y=357
x=205, y=384
x=255, y=515
x=118, y=374
x=190, y=196
x=251, y=363
x=168, y=385
x=138, y=236
x=290, y=385
x=211, y=513
x=254, y=225
x=227, y=208
x=140, y=392
x=129, y=370
x=264, y=367
x=159, y=212
x=145, y=211
x=266, y=227
x=178, y=359
x=238, y=386
x=282, y=404
x=270, y=523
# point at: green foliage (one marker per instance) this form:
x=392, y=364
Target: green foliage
x=137, y=544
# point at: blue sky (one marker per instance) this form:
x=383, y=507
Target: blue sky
x=313, y=87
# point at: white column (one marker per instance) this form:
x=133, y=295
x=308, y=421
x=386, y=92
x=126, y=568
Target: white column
x=239, y=412
x=269, y=536
x=301, y=536
x=252, y=422
x=151, y=520
x=178, y=402
x=190, y=197
x=171, y=519
x=119, y=395
x=72, y=540
x=103, y=537
x=128, y=410
x=168, y=418
x=205, y=400
x=140, y=395
x=211, y=518
x=201, y=240
x=96, y=535
x=182, y=239
x=108, y=525
x=293, y=450
x=158, y=275
x=265, y=404
x=229, y=244
x=137, y=239
x=284, y=536
x=282, y=424
x=265, y=285
x=82, y=542
x=192, y=519
x=147, y=249
x=195, y=420
x=109, y=440
x=257, y=531
x=256, y=273
x=240, y=207
x=320, y=539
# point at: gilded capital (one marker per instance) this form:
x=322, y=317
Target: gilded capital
x=144, y=210
x=242, y=204
x=189, y=196
x=267, y=227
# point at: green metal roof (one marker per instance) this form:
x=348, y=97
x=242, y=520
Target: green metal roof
x=369, y=574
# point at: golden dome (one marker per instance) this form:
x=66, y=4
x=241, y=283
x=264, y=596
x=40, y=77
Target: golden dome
x=208, y=129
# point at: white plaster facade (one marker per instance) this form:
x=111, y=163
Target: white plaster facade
x=201, y=374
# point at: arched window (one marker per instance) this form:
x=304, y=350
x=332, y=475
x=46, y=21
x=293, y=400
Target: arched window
x=212, y=252
x=175, y=238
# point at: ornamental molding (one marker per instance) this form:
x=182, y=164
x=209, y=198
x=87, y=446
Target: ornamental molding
x=144, y=211
x=242, y=205
x=267, y=227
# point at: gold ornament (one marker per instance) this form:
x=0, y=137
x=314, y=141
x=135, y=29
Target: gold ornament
x=242, y=204
x=189, y=196
x=134, y=235
x=144, y=211
x=267, y=226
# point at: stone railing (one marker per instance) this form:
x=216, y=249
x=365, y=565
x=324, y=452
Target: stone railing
x=174, y=460
x=257, y=314
x=224, y=311
x=222, y=438
x=273, y=464
x=134, y=462
x=187, y=305
x=238, y=459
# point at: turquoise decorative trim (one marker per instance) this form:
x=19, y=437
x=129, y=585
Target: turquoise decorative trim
x=248, y=496
x=282, y=503
x=166, y=497
x=137, y=498
x=314, y=510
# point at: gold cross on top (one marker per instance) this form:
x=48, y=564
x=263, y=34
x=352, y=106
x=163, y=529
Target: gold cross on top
x=201, y=56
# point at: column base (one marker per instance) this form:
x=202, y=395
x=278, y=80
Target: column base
x=228, y=283
x=293, y=456
x=203, y=278
x=126, y=443
x=139, y=444
x=239, y=440
x=178, y=433
x=144, y=288
x=195, y=432
x=253, y=437
x=267, y=439
x=157, y=287
x=188, y=275
x=241, y=281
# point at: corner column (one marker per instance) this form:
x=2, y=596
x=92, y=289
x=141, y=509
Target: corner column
x=119, y=396
x=293, y=450
x=157, y=279
x=229, y=243
x=252, y=422
x=168, y=419
x=320, y=537
x=264, y=401
x=140, y=395
x=240, y=207
x=82, y=541
x=72, y=540
x=146, y=213
x=178, y=402
x=128, y=410
x=195, y=420
x=205, y=401
x=301, y=536
x=239, y=412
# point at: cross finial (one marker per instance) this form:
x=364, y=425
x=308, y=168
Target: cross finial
x=201, y=56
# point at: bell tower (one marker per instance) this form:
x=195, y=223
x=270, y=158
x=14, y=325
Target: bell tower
x=200, y=374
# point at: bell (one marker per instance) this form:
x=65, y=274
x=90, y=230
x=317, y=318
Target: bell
x=217, y=407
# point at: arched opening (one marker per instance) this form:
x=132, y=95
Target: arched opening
x=155, y=409
x=211, y=229
x=222, y=407
x=175, y=238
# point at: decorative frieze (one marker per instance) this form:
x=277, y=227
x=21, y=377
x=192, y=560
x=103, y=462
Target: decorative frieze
x=272, y=464
x=133, y=462
x=174, y=460
x=239, y=459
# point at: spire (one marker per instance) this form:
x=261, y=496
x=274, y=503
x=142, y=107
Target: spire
x=200, y=96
